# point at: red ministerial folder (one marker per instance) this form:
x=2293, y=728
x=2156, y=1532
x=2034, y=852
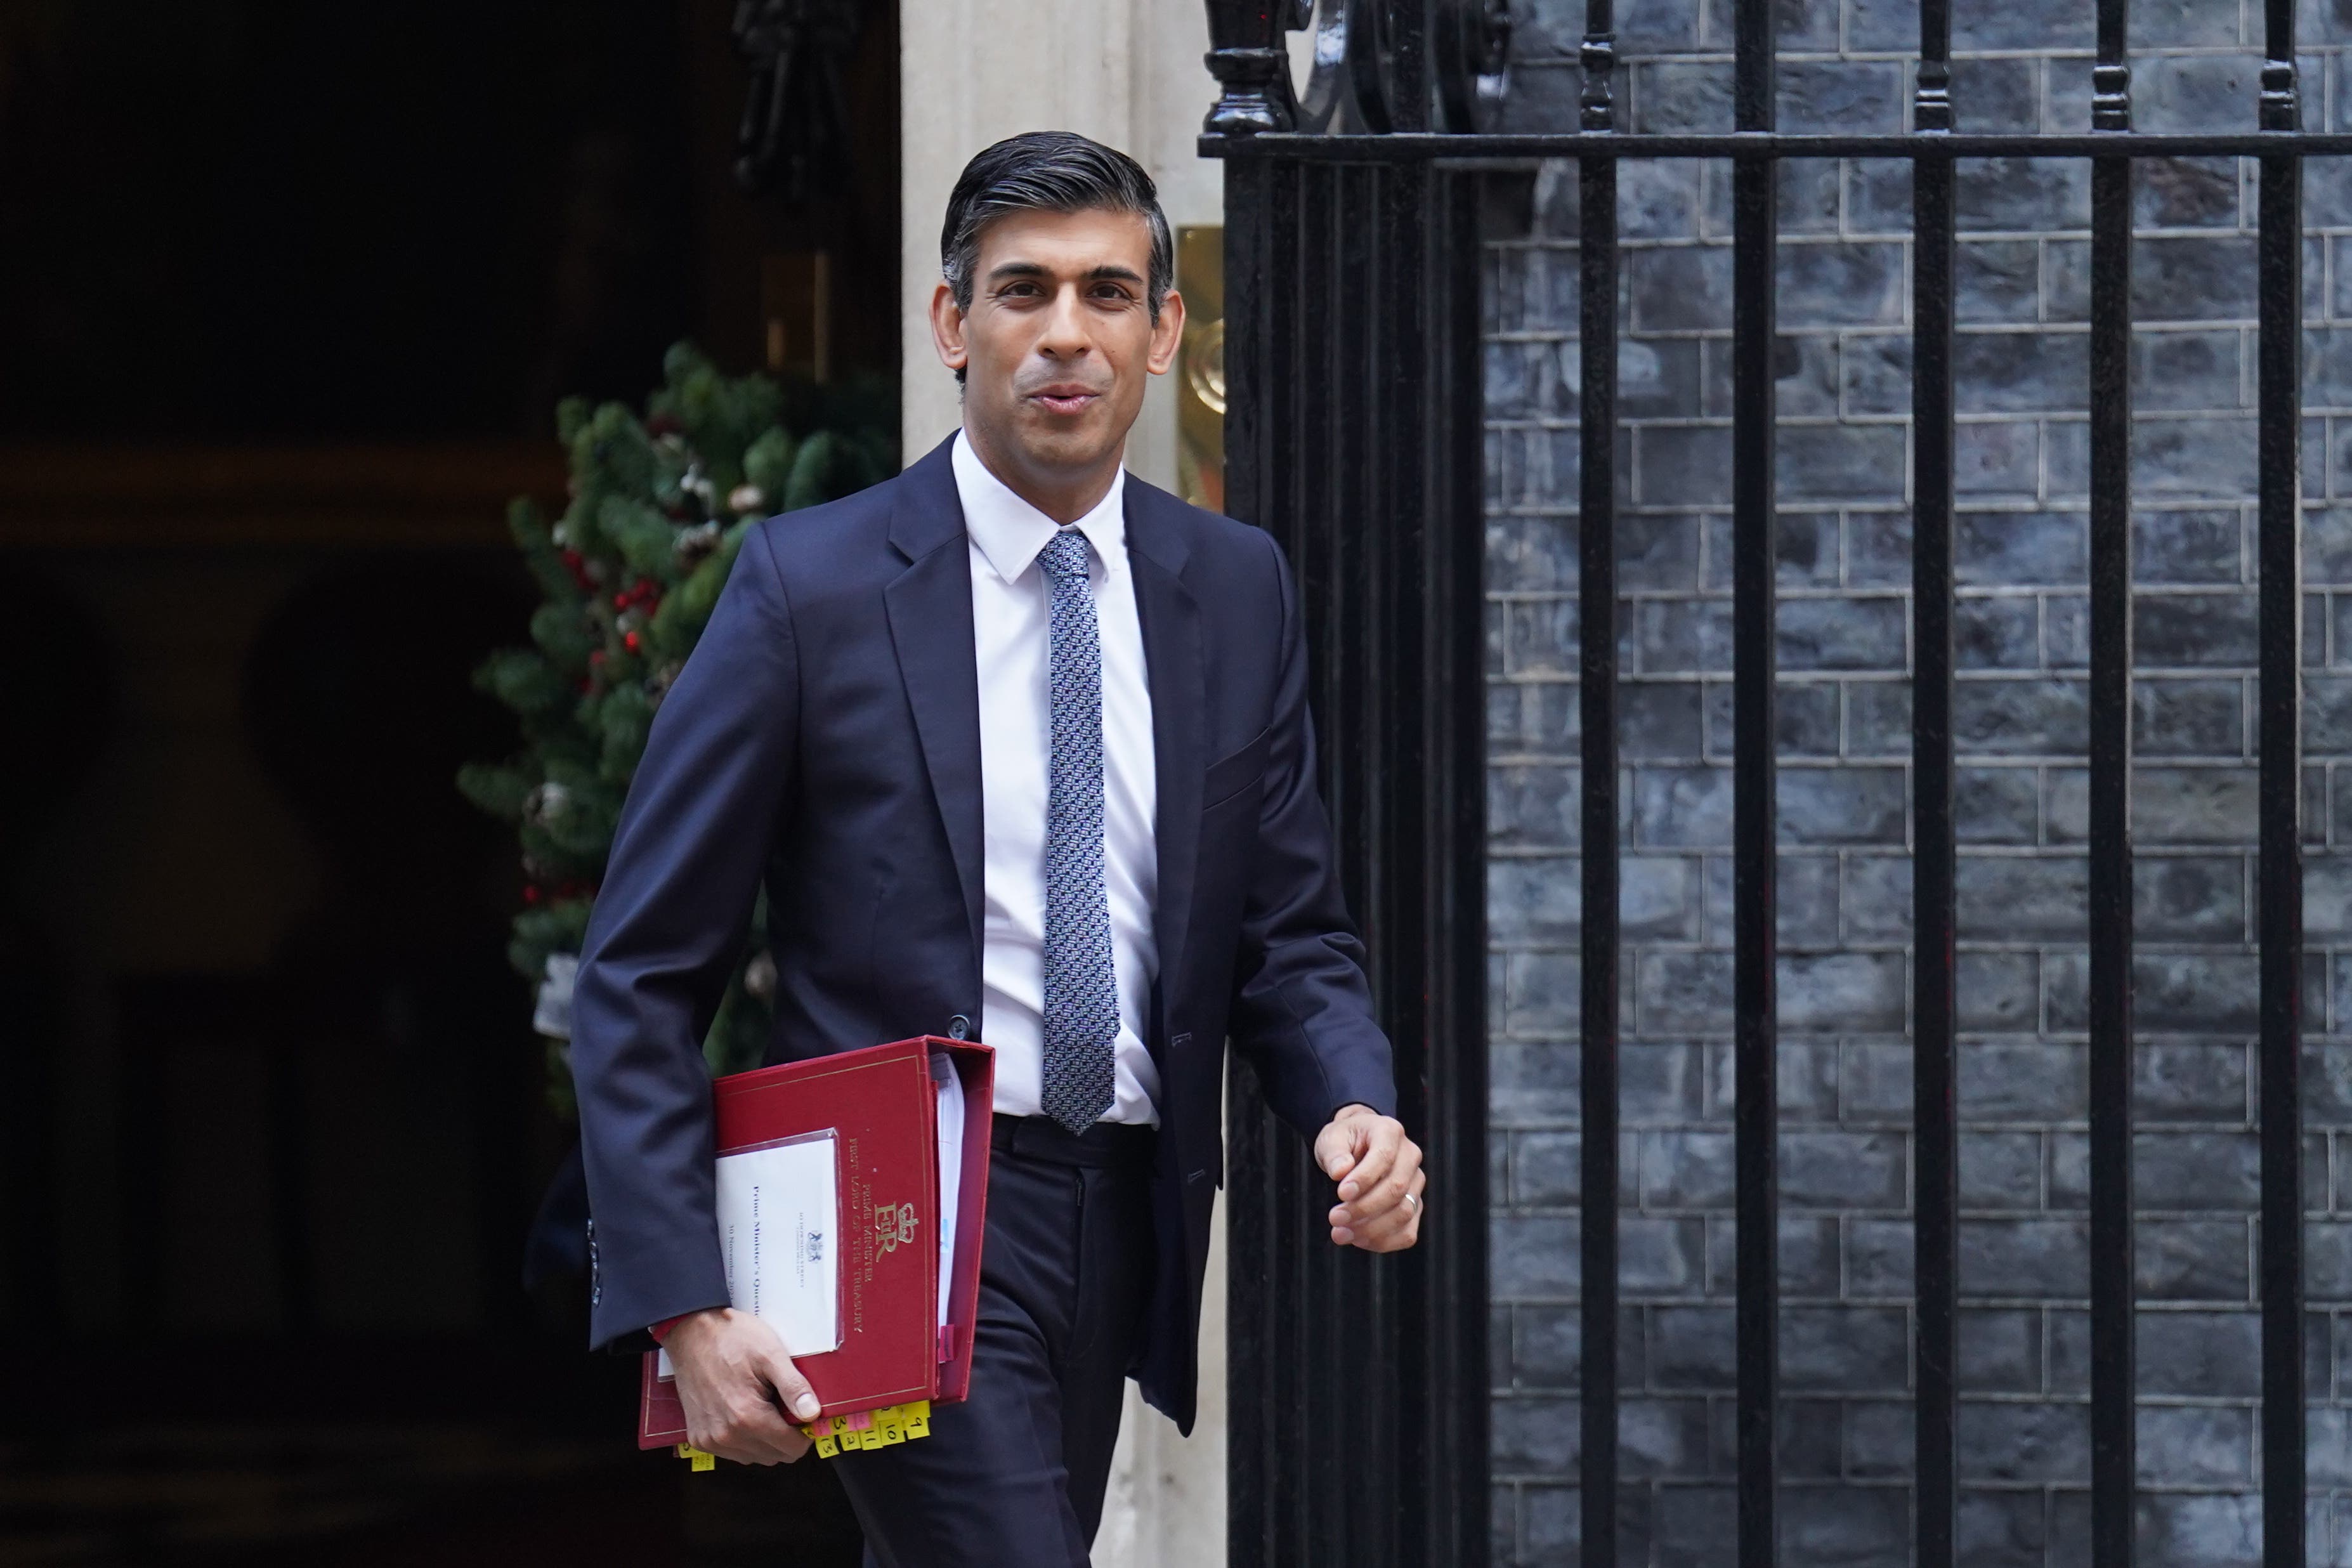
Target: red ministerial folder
x=881, y=1107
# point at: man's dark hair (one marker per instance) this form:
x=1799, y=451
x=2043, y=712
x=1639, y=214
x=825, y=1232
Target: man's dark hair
x=1049, y=171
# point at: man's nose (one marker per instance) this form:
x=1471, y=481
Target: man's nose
x=1065, y=327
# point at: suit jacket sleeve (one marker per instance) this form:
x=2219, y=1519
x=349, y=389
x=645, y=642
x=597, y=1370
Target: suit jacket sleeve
x=1302, y=1009
x=664, y=940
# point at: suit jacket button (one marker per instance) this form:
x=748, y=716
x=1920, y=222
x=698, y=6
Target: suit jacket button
x=959, y=1027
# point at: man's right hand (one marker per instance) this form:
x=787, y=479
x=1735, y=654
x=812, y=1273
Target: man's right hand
x=737, y=1385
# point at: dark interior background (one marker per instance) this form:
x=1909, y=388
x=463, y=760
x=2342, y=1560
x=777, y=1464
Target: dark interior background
x=286, y=296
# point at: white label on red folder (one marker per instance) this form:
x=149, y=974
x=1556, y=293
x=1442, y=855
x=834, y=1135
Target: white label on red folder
x=779, y=1226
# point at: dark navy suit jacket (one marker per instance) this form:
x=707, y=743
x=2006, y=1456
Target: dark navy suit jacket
x=824, y=737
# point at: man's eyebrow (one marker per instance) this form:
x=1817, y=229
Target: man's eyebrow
x=1108, y=272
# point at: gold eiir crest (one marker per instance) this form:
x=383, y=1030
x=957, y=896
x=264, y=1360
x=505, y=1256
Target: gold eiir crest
x=894, y=1228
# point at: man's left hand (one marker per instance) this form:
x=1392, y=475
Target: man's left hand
x=1380, y=1180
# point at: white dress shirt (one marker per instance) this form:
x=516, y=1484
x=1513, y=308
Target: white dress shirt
x=1010, y=614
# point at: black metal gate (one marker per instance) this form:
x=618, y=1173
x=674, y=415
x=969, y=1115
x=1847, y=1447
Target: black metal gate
x=1359, y=1389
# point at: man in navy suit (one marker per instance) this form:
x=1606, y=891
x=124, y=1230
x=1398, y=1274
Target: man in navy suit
x=1019, y=747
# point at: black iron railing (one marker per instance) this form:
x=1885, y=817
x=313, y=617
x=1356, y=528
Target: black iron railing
x=1350, y=390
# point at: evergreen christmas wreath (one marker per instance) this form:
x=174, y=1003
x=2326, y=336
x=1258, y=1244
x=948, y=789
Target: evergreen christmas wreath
x=628, y=575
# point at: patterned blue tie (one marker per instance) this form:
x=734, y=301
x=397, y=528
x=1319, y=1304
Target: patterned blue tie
x=1081, y=988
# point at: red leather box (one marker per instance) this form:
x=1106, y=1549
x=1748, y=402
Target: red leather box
x=882, y=1107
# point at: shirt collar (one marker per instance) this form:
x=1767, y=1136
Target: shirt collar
x=1010, y=532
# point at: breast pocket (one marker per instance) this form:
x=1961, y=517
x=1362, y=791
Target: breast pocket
x=1232, y=775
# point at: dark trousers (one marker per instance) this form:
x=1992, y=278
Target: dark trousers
x=1015, y=1473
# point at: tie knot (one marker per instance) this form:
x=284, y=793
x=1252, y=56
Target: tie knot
x=1064, y=555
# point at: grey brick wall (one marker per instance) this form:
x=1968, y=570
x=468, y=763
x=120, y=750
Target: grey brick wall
x=1845, y=747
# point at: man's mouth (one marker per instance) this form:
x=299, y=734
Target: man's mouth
x=1064, y=399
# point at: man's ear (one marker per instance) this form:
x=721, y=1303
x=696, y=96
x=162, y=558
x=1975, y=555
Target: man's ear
x=946, y=328
x=1167, y=333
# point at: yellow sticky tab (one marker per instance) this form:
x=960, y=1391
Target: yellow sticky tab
x=869, y=1431
x=703, y=1461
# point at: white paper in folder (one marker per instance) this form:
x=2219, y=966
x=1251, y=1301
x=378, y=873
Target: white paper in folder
x=779, y=1222
x=951, y=1091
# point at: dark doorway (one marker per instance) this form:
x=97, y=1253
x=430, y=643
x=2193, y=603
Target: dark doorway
x=288, y=296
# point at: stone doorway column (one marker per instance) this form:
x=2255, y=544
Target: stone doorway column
x=1128, y=73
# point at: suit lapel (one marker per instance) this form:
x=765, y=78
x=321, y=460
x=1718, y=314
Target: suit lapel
x=1157, y=549
x=930, y=607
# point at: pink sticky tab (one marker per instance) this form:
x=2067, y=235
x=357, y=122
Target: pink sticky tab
x=862, y=1421
x=947, y=1343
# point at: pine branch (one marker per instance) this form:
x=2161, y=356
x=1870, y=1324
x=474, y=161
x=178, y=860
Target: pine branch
x=628, y=577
